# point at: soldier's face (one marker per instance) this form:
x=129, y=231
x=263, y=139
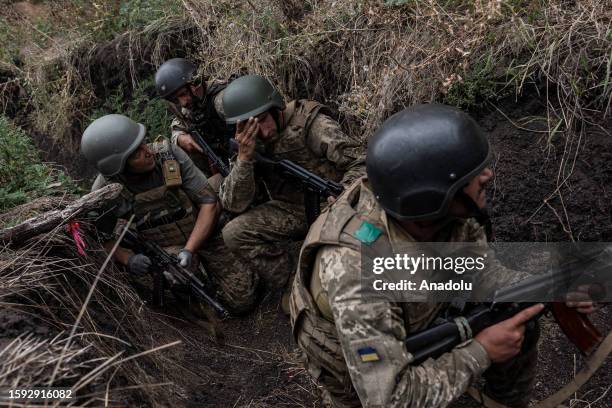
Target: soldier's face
x=142, y=160
x=184, y=96
x=267, y=126
x=476, y=189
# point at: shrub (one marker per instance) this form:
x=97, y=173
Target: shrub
x=142, y=106
x=22, y=174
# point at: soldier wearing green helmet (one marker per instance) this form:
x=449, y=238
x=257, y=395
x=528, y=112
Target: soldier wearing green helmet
x=173, y=204
x=196, y=103
x=301, y=131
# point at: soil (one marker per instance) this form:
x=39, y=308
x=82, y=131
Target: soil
x=258, y=364
x=255, y=364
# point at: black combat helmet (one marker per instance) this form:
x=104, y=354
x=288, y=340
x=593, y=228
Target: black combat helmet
x=172, y=75
x=421, y=157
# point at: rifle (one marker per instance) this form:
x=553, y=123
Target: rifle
x=213, y=158
x=209, y=152
x=315, y=187
x=442, y=338
x=165, y=263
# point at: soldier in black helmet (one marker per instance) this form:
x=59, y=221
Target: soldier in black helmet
x=427, y=170
x=196, y=103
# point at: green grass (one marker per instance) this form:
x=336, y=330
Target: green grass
x=23, y=176
x=143, y=106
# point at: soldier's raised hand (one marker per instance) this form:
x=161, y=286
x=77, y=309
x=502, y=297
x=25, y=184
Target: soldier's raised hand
x=246, y=136
x=186, y=142
x=503, y=340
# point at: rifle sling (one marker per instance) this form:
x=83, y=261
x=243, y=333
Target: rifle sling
x=591, y=365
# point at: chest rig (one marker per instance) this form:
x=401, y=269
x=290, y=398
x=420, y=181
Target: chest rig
x=313, y=324
x=165, y=214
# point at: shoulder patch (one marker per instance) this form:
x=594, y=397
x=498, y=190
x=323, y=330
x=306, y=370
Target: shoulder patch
x=367, y=233
x=368, y=354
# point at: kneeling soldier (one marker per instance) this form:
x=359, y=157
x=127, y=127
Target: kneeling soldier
x=173, y=205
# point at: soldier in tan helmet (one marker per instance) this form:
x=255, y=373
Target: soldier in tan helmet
x=426, y=178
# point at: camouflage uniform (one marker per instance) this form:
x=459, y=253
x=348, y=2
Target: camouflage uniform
x=234, y=281
x=331, y=322
x=314, y=141
x=211, y=121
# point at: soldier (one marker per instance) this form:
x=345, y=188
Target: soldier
x=196, y=103
x=426, y=177
x=300, y=131
x=161, y=183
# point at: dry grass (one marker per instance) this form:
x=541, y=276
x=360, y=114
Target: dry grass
x=369, y=60
x=365, y=59
x=48, y=281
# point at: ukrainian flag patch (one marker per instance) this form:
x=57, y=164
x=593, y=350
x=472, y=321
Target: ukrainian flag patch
x=368, y=354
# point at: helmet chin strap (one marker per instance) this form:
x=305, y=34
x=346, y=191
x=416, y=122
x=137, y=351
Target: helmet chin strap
x=480, y=214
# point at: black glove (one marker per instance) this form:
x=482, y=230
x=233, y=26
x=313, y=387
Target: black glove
x=138, y=264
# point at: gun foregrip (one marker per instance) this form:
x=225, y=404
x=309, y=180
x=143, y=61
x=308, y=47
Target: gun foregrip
x=577, y=327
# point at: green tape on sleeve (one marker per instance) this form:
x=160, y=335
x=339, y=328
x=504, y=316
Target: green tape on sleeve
x=367, y=233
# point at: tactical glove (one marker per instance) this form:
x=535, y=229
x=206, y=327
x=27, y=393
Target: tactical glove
x=138, y=264
x=185, y=257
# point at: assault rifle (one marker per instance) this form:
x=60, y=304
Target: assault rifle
x=315, y=187
x=209, y=152
x=213, y=158
x=442, y=338
x=168, y=272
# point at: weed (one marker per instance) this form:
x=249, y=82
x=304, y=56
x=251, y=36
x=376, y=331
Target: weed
x=142, y=106
x=22, y=175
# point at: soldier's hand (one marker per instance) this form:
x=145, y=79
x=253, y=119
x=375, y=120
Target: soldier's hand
x=139, y=264
x=580, y=299
x=186, y=142
x=185, y=257
x=503, y=340
x=246, y=136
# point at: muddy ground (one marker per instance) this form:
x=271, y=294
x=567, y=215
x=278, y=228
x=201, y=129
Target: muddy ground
x=257, y=366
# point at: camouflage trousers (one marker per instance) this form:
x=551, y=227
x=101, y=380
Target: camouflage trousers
x=509, y=383
x=267, y=238
x=234, y=281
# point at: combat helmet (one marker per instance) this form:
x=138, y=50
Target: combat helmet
x=172, y=75
x=421, y=157
x=249, y=96
x=109, y=141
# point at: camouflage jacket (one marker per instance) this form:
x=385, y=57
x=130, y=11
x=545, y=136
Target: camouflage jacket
x=333, y=325
x=308, y=137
